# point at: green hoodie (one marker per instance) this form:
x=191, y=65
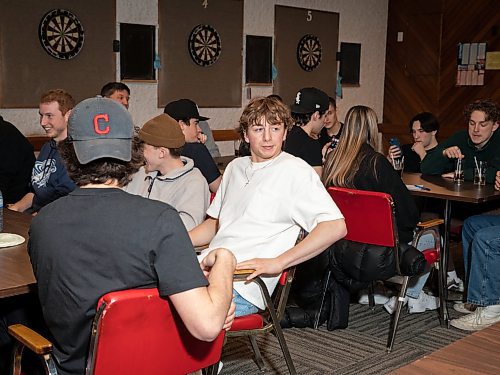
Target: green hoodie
x=437, y=163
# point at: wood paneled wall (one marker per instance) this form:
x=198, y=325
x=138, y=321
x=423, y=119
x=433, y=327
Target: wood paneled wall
x=421, y=70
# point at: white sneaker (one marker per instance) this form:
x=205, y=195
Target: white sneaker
x=379, y=298
x=422, y=303
x=455, y=283
x=390, y=306
x=476, y=321
x=464, y=307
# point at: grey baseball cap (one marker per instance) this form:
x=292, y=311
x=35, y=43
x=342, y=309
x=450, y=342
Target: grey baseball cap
x=100, y=128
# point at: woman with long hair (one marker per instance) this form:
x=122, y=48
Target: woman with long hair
x=356, y=164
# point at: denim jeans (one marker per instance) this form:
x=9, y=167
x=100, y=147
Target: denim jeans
x=416, y=284
x=243, y=307
x=481, y=251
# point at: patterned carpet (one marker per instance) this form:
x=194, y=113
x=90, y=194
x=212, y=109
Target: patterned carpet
x=359, y=349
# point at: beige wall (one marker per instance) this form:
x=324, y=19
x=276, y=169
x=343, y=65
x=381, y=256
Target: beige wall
x=362, y=21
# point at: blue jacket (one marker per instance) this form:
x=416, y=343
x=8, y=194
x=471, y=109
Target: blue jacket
x=49, y=179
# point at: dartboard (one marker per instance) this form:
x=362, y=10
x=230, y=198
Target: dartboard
x=61, y=34
x=309, y=52
x=204, y=45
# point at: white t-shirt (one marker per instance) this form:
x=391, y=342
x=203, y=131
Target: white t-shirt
x=261, y=208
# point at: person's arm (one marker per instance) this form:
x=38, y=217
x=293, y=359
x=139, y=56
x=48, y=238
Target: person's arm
x=206, y=311
x=214, y=185
x=497, y=180
x=442, y=159
x=203, y=233
x=323, y=235
x=23, y=204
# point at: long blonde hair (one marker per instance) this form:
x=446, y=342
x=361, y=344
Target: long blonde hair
x=341, y=164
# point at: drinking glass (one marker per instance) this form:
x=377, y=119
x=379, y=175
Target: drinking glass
x=480, y=173
x=398, y=164
x=458, y=176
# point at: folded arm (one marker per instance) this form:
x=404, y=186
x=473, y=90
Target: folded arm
x=207, y=310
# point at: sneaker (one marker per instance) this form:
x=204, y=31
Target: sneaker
x=464, y=307
x=379, y=296
x=455, y=284
x=422, y=303
x=390, y=306
x=478, y=320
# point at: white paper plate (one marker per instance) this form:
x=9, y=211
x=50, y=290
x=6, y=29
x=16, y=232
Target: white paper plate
x=10, y=239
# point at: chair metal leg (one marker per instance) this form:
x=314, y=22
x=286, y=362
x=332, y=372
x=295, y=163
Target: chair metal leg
x=256, y=352
x=323, y=295
x=211, y=370
x=395, y=322
x=371, y=295
x=17, y=357
x=277, y=328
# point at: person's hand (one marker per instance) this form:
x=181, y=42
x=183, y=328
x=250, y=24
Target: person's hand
x=394, y=152
x=419, y=149
x=230, y=317
x=448, y=175
x=12, y=207
x=497, y=181
x=262, y=266
x=207, y=263
x=202, y=138
x=453, y=152
x=326, y=150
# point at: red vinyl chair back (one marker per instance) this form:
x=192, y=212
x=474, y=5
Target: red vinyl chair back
x=369, y=215
x=138, y=332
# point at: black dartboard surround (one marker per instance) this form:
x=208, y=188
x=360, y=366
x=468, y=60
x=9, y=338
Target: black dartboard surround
x=204, y=45
x=309, y=52
x=61, y=34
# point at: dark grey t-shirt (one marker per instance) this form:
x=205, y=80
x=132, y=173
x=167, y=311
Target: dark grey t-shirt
x=94, y=241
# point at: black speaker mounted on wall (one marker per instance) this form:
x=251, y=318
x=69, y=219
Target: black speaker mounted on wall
x=350, y=58
x=137, y=48
x=258, y=59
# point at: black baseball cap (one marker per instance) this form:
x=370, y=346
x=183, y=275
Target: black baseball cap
x=182, y=109
x=310, y=100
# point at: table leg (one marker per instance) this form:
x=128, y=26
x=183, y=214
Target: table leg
x=443, y=267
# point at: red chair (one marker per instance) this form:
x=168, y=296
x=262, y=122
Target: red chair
x=370, y=219
x=268, y=320
x=134, y=332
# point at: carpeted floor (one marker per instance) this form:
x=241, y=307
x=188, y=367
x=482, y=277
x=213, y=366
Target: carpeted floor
x=359, y=349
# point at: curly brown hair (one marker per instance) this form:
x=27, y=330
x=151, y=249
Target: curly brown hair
x=272, y=109
x=488, y=106
x=102, y=170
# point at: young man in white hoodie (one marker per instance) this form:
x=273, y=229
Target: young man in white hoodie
x=167, y=176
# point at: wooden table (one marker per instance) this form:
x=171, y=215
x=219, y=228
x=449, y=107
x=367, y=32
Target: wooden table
x=449, y=191
x=478, y=353
x=16, y=274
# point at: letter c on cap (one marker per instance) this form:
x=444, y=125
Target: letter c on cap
x=101, y=116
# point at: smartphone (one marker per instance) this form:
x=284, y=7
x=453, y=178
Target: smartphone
x=334, y=143
x=394, y=142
